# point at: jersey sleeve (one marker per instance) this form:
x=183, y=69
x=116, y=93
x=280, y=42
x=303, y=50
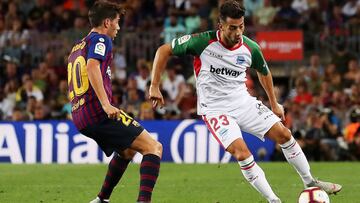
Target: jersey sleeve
x=191, y=44
x=257, y=59
x=99, y=47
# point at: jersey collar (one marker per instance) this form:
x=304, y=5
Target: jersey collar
x=226, y=47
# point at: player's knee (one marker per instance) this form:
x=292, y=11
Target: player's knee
x=240, y=155
x=128, y=154
x=154, y=147
x=159, y=149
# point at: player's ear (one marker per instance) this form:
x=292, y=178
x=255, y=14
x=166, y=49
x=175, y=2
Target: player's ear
x=221, y=26
x=107, y=22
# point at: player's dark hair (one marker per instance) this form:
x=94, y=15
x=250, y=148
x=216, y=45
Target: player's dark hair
x=102, y=10
x=232, y=9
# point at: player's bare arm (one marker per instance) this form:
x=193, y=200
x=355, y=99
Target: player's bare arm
x=162, y=55
x=96, y=82
x=267, y=83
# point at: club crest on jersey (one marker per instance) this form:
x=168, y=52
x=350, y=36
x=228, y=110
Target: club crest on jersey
x=240, y=60
x=100, y=48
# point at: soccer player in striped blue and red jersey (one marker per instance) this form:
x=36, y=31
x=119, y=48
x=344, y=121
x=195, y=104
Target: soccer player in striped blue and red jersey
x=93, y=111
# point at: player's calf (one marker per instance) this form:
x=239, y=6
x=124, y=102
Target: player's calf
x=251, y=171
x=149, y=172
x=150, y=164
x=116, y=169
x=256, y=177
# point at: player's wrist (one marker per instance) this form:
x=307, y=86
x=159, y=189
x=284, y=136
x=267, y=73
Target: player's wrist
x=154, y=85
x=274, y=105
x=105, y=104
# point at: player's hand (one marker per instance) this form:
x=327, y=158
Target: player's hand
x=111, y=111
x=156, y=97
x=278, y=110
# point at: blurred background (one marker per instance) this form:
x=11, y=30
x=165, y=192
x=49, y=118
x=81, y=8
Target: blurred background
x=315, y=62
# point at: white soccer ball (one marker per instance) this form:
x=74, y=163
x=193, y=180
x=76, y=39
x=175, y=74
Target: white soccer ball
x=313, y=195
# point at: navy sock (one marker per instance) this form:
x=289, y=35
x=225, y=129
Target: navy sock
x=149, y=171
x=116, y=169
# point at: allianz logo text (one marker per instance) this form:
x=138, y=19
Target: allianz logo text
x=186, y=141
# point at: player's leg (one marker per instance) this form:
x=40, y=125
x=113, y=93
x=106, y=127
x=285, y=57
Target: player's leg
x=291, y=150
x=150, y=164
x=227, y=132
x=116, y=169
x=295, y=156
x=251, y=171
x=121, y=135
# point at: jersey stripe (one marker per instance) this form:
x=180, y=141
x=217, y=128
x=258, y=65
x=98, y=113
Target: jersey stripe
x=197, y=61
x=86, y=109
x=197, y=65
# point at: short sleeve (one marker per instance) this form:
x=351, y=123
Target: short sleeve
x=99, y=47
x=192, y=44
x=183, y=45
x=258, y=61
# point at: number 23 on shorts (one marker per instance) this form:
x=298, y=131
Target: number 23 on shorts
x=215, y=122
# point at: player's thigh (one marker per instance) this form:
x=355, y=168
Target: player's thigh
x=256, y=118
x=223, y=128
x=145, y=144
x=114, y=135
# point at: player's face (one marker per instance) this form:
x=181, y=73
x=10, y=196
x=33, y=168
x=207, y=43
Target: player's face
x=114, y=27
x=232, y=30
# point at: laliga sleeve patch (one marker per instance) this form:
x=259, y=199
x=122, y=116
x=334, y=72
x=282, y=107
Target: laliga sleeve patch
x=184, y=39
x=100, y=48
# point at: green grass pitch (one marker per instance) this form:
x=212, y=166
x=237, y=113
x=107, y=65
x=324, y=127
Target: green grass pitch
x=177, y=183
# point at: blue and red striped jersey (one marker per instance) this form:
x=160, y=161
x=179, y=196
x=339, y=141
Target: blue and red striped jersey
x=86, y=107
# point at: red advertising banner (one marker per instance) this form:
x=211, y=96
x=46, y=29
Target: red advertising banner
x=281, y=45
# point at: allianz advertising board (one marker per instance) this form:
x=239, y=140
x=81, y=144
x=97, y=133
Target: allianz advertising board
x=185, y=141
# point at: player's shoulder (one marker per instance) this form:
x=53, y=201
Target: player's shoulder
x=204, y=36
x=251, y=43
x=197, y=37
x=207, y=34
x=96, y=37
x=99, y=44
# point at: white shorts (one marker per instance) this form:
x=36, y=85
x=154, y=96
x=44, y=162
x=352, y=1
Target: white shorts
x=254, y=118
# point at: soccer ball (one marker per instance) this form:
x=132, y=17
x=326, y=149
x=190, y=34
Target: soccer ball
x=313, y=195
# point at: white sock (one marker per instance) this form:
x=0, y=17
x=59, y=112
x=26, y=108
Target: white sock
x=296, y=157
x=256, y=177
